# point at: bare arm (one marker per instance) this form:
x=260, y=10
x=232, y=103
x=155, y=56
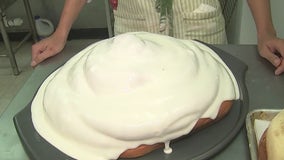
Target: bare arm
x=69, y=14
x=52, y=45
x=268, y=42
x=262, y=16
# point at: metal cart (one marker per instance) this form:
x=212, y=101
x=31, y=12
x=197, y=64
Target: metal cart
x=10, y=51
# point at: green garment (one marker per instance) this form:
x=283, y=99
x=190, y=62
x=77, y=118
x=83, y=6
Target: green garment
x=164, y=7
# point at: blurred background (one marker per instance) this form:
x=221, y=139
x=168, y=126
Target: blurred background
x=241, y=30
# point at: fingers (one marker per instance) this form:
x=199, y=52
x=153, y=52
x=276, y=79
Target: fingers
x=37, y=49
x=40, y=56
x=271, y=57
x=273, y=51
x=46, y=48
x=280, y=69
x=279, y=48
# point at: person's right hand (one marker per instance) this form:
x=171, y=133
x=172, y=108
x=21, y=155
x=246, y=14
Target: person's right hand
x=46, y=48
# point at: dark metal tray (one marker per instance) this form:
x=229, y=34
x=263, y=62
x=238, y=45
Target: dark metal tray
x=200, y=145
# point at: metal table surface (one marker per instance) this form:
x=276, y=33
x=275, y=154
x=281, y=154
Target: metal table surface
x=265, y=91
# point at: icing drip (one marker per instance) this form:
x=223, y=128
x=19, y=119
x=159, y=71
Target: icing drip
x=168, y=149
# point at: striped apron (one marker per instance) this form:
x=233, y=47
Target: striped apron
x=191, y=19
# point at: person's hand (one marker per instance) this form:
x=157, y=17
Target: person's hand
x=272, y=48
x=46, y=48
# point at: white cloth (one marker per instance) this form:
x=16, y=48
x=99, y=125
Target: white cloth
x=192, y=19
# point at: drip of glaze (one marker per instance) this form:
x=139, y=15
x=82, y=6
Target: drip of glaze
x=168, y=149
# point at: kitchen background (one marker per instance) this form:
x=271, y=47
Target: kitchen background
x=241, y=30
x=92, y=18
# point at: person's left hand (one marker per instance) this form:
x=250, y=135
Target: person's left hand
x=272, y=48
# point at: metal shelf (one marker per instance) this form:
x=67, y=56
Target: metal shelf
x=10, y=51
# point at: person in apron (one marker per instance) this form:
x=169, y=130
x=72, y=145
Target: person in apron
x=185, y=19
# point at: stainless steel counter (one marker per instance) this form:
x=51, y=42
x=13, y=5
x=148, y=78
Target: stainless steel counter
x=265, y=91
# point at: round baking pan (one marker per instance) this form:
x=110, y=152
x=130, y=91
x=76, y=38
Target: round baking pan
x=200, y=145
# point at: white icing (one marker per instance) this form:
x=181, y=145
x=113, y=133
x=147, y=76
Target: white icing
x=259, y=127
x=133, y=89
x=168, y=149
